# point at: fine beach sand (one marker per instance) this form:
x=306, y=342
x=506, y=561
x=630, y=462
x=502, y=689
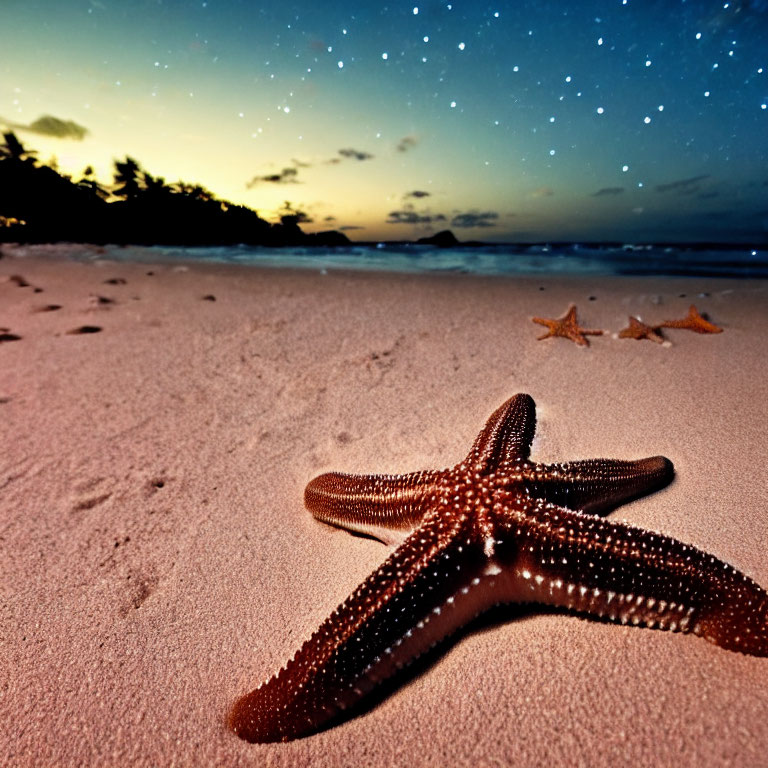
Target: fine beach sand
x=156, y=560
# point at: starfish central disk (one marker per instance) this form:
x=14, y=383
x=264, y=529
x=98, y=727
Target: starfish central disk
x=496, y=528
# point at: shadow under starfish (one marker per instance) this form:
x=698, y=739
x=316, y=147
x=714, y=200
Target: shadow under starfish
x=497, y=528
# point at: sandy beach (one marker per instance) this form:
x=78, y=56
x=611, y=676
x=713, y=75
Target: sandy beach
x=159, y=424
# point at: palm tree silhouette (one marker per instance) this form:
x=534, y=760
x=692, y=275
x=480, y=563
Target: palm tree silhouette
x=15, y=151
x=128, y=179
x=89, y=183
x=42, y=204
x=182, y=188
x=195, y=191
x=154, y=186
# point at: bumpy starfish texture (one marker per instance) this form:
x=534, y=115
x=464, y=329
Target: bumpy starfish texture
x=568, y=327
x=693, y=321
x=495, y=528
x=637, y=329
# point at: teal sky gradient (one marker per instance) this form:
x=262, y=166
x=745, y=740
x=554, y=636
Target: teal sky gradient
x=636, y=120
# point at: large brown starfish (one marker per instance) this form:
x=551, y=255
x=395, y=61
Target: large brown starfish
x=495, y=528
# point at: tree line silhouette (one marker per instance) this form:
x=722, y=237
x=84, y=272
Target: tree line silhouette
x=38, y=204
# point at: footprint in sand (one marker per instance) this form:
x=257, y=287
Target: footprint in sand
x=209, y=297
x=99, y=302
x=85, y=329
x=140, y=585
x=141, y=588
x=115, y=281
x=21, y=282
x=89, y=503
x=154, y=485
x=90, y=493
x=6, y=335
x=47, y=308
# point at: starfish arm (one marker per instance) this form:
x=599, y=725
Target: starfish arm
x=596, y=485
x=550, y=324
x=693, y=321
x=401, y=610
x=568, y=327
x=640, y=330
x=506, y=437
x=495, y=528
x=612, y=570
x=387, y=507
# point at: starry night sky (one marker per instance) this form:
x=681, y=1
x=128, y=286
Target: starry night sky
x=619, y=119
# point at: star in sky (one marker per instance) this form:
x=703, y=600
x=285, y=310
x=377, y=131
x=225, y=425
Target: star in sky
x=616, y=120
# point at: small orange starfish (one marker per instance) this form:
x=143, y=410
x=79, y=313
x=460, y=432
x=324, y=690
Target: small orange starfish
x=639, y=330
x=692, y=322
x=568, y=327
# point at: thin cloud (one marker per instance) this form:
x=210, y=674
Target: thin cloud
x=406, y=143
x=48, y=125
x=286, y=176
x=417, y=193
x=472, y=219
x=409, y=216
x=608, y=191
x=355, y=154
x=543, y=192
x=683, y=186
x=289, y=174
x=349, y=227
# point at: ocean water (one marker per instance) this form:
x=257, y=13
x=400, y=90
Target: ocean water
x=567, y=259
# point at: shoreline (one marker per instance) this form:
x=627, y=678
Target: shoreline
x=538, y=260
x=158, y=561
